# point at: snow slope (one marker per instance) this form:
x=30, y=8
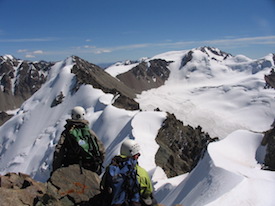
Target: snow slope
x=225, y=97
x=28, y=140
x=229, y=174
x=215, y=93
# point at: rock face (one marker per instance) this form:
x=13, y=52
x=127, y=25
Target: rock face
x=67, y=186
x=4, y=117
x=210, y=50
x=181, y=147
x=19, y=189
x=269, y=142
x=19, y=80
x=88, y=73
x=146, y=75
x=270, y=79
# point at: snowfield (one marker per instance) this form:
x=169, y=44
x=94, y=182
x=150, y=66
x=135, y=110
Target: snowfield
x=225, y=97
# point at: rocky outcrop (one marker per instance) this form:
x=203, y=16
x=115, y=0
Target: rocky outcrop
x=209, y=51
x=270, y=79
x=187, y=58
x=19, y=80
x=124, y=102
x=269, y=142
x=87, y=73
x=181, y=147
x=146, y=75
x=4, y=117
x=19, y=189
x=67, y=186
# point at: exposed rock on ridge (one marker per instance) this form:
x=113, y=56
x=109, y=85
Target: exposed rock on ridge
x=146, y=75
x=181, y=147
x=269, y=142
x=88, y=73
x=270, y=78
x=19, y=80
x=215, y=51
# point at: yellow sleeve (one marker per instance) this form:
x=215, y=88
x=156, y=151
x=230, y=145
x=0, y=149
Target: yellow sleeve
x=144, y=180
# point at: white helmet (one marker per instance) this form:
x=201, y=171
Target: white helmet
x=129, y=148
x=78, y=113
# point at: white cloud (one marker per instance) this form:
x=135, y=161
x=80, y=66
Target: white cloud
x=100, y=51
x=228, y=41
x=38, y=52
x=89, y=47
x=29, y=56
x=251, y=40
x=218, y=42
x=22, y=50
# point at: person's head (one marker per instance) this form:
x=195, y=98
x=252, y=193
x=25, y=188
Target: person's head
x=130, y=148
x=78, y=113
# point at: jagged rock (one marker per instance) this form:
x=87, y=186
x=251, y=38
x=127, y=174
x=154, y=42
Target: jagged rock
x=146, y=75
x=4, y=117
x=181, y=146
x=269, y=142
x=215, y=51
x=270, y=79
x=66, y=186
x=125, y=103
x=19, y=189
x=87, y=73
x=19, y=80
x=187, y=58
x=58, y=99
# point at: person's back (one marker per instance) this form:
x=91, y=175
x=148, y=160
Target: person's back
x=126, y=182
x=79, y=145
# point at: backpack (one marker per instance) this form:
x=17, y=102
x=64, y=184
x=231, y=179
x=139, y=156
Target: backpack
x=120, y=178
x=85, y=146
x=85, y=140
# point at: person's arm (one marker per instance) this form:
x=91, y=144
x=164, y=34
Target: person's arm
x=146, y=187
x=100, y=144
x=59, y=153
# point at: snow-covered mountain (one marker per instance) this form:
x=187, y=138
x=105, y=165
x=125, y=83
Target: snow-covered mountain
x=215, y=90
x=20, y=79
x=224, y=94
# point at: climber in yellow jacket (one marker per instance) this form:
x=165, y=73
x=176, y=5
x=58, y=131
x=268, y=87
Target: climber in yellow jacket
x=127, y=182
x=146, y=188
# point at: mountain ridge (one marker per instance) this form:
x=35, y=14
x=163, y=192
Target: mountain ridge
x=204, y=94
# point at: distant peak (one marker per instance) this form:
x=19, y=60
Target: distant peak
x=212, y=51
x=7, y=57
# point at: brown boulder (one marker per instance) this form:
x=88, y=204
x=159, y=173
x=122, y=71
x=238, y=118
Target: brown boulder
x=19, y=189
x=78, y=184
x=70, y=186
x=66, y=186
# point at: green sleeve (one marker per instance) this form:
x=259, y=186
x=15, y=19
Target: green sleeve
x=144, y=180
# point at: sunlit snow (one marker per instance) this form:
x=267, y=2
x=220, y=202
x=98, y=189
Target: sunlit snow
x=226, y=100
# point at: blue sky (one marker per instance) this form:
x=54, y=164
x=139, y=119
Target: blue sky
x=102, y=31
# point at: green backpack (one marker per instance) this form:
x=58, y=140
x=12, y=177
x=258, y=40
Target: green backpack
x=86, y=141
